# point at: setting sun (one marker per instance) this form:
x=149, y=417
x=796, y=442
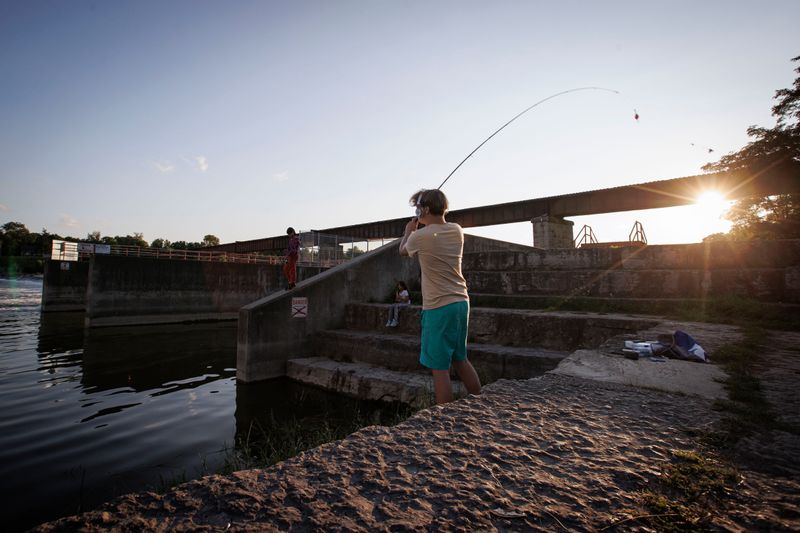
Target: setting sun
x=713, y=202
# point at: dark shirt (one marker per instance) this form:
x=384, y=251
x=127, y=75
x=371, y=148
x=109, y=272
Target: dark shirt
x=294, y=246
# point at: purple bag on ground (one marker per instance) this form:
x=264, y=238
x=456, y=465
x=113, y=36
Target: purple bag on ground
x=685, y=347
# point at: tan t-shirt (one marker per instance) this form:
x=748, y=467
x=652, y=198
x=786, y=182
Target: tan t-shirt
x=439, y=248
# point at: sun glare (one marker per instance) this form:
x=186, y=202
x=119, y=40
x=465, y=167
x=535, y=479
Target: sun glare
x=713, y=203
x=701, y=219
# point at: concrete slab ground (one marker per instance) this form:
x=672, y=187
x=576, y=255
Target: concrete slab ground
x=672, y=375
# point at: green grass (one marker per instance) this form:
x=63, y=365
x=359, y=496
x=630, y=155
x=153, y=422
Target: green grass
x=686, y=493
x=696, y=478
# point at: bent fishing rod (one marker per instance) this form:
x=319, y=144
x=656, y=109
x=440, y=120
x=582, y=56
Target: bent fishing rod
x=519, y=115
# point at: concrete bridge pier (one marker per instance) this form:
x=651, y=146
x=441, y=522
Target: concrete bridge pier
x=552, y=232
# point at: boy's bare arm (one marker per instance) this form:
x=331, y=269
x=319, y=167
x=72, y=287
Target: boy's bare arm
x=411, y=227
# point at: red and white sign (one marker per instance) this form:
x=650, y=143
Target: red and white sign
x=299, y=307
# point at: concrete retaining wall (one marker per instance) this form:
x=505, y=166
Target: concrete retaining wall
x=764, y=270
x=268, y=333
x=474, y=244
x=64, y=285
x=127, y=290
x=710, y=256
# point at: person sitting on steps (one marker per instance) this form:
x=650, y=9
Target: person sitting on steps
x=401, y=299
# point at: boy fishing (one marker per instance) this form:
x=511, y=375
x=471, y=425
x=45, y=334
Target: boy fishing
x=445, y=301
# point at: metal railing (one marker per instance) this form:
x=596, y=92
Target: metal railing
x=325, y=250
x=194, y=255
x=75, y=251
x=316, y=249
x=637, y=233
x=585, y=236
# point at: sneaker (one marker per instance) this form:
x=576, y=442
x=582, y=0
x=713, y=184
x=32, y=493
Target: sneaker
x=393, y=324
x=389, y=324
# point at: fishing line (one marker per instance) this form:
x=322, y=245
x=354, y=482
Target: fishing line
x=522, y=113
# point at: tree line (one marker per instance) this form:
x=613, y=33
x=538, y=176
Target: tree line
x=18, y=240
x=771, y=217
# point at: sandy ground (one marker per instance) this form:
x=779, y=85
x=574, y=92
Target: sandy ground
x=556, y=453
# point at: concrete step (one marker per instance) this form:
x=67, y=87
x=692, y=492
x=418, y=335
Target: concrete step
x=397, y=351
x=598, y=304
x=366, y=382
x=550, y=330
x=760, y=283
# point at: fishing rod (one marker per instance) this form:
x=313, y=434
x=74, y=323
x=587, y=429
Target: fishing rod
x=519, y=115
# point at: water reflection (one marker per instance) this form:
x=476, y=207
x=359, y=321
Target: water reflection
x=91, y=414
x=161, y=359
x=60, y=341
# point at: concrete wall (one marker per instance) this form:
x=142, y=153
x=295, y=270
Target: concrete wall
x=766, y=270
x=64, y=289
x=474, y=244
x=714, y=255
x=269, y=335
x=128, y=290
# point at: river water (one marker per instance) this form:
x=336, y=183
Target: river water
x=91, y=414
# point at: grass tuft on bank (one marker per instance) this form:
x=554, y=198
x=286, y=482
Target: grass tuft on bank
x=687, y=492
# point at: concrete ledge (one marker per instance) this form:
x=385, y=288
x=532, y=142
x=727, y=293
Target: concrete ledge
x=672, y=375
x=362, y=381
x=140, y=320
x=401, y=353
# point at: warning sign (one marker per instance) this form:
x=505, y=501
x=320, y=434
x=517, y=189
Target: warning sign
x=299, y=307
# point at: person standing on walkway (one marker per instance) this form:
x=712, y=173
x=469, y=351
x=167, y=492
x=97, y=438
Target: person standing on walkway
x=445, y=301
x=292, y=252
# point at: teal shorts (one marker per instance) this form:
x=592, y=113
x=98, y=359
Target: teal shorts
x=444, y=335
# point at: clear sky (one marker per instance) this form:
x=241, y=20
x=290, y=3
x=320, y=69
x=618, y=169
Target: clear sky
x=178, y=119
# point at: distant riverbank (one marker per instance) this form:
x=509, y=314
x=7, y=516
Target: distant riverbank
x=21, y=266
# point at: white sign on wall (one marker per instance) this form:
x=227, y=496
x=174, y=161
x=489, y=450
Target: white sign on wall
x=64, y=251
x=102, y=248
x=85, y=248
x=299, y=307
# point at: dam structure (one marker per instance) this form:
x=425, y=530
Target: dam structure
x=329, y=330
x=339, y=340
